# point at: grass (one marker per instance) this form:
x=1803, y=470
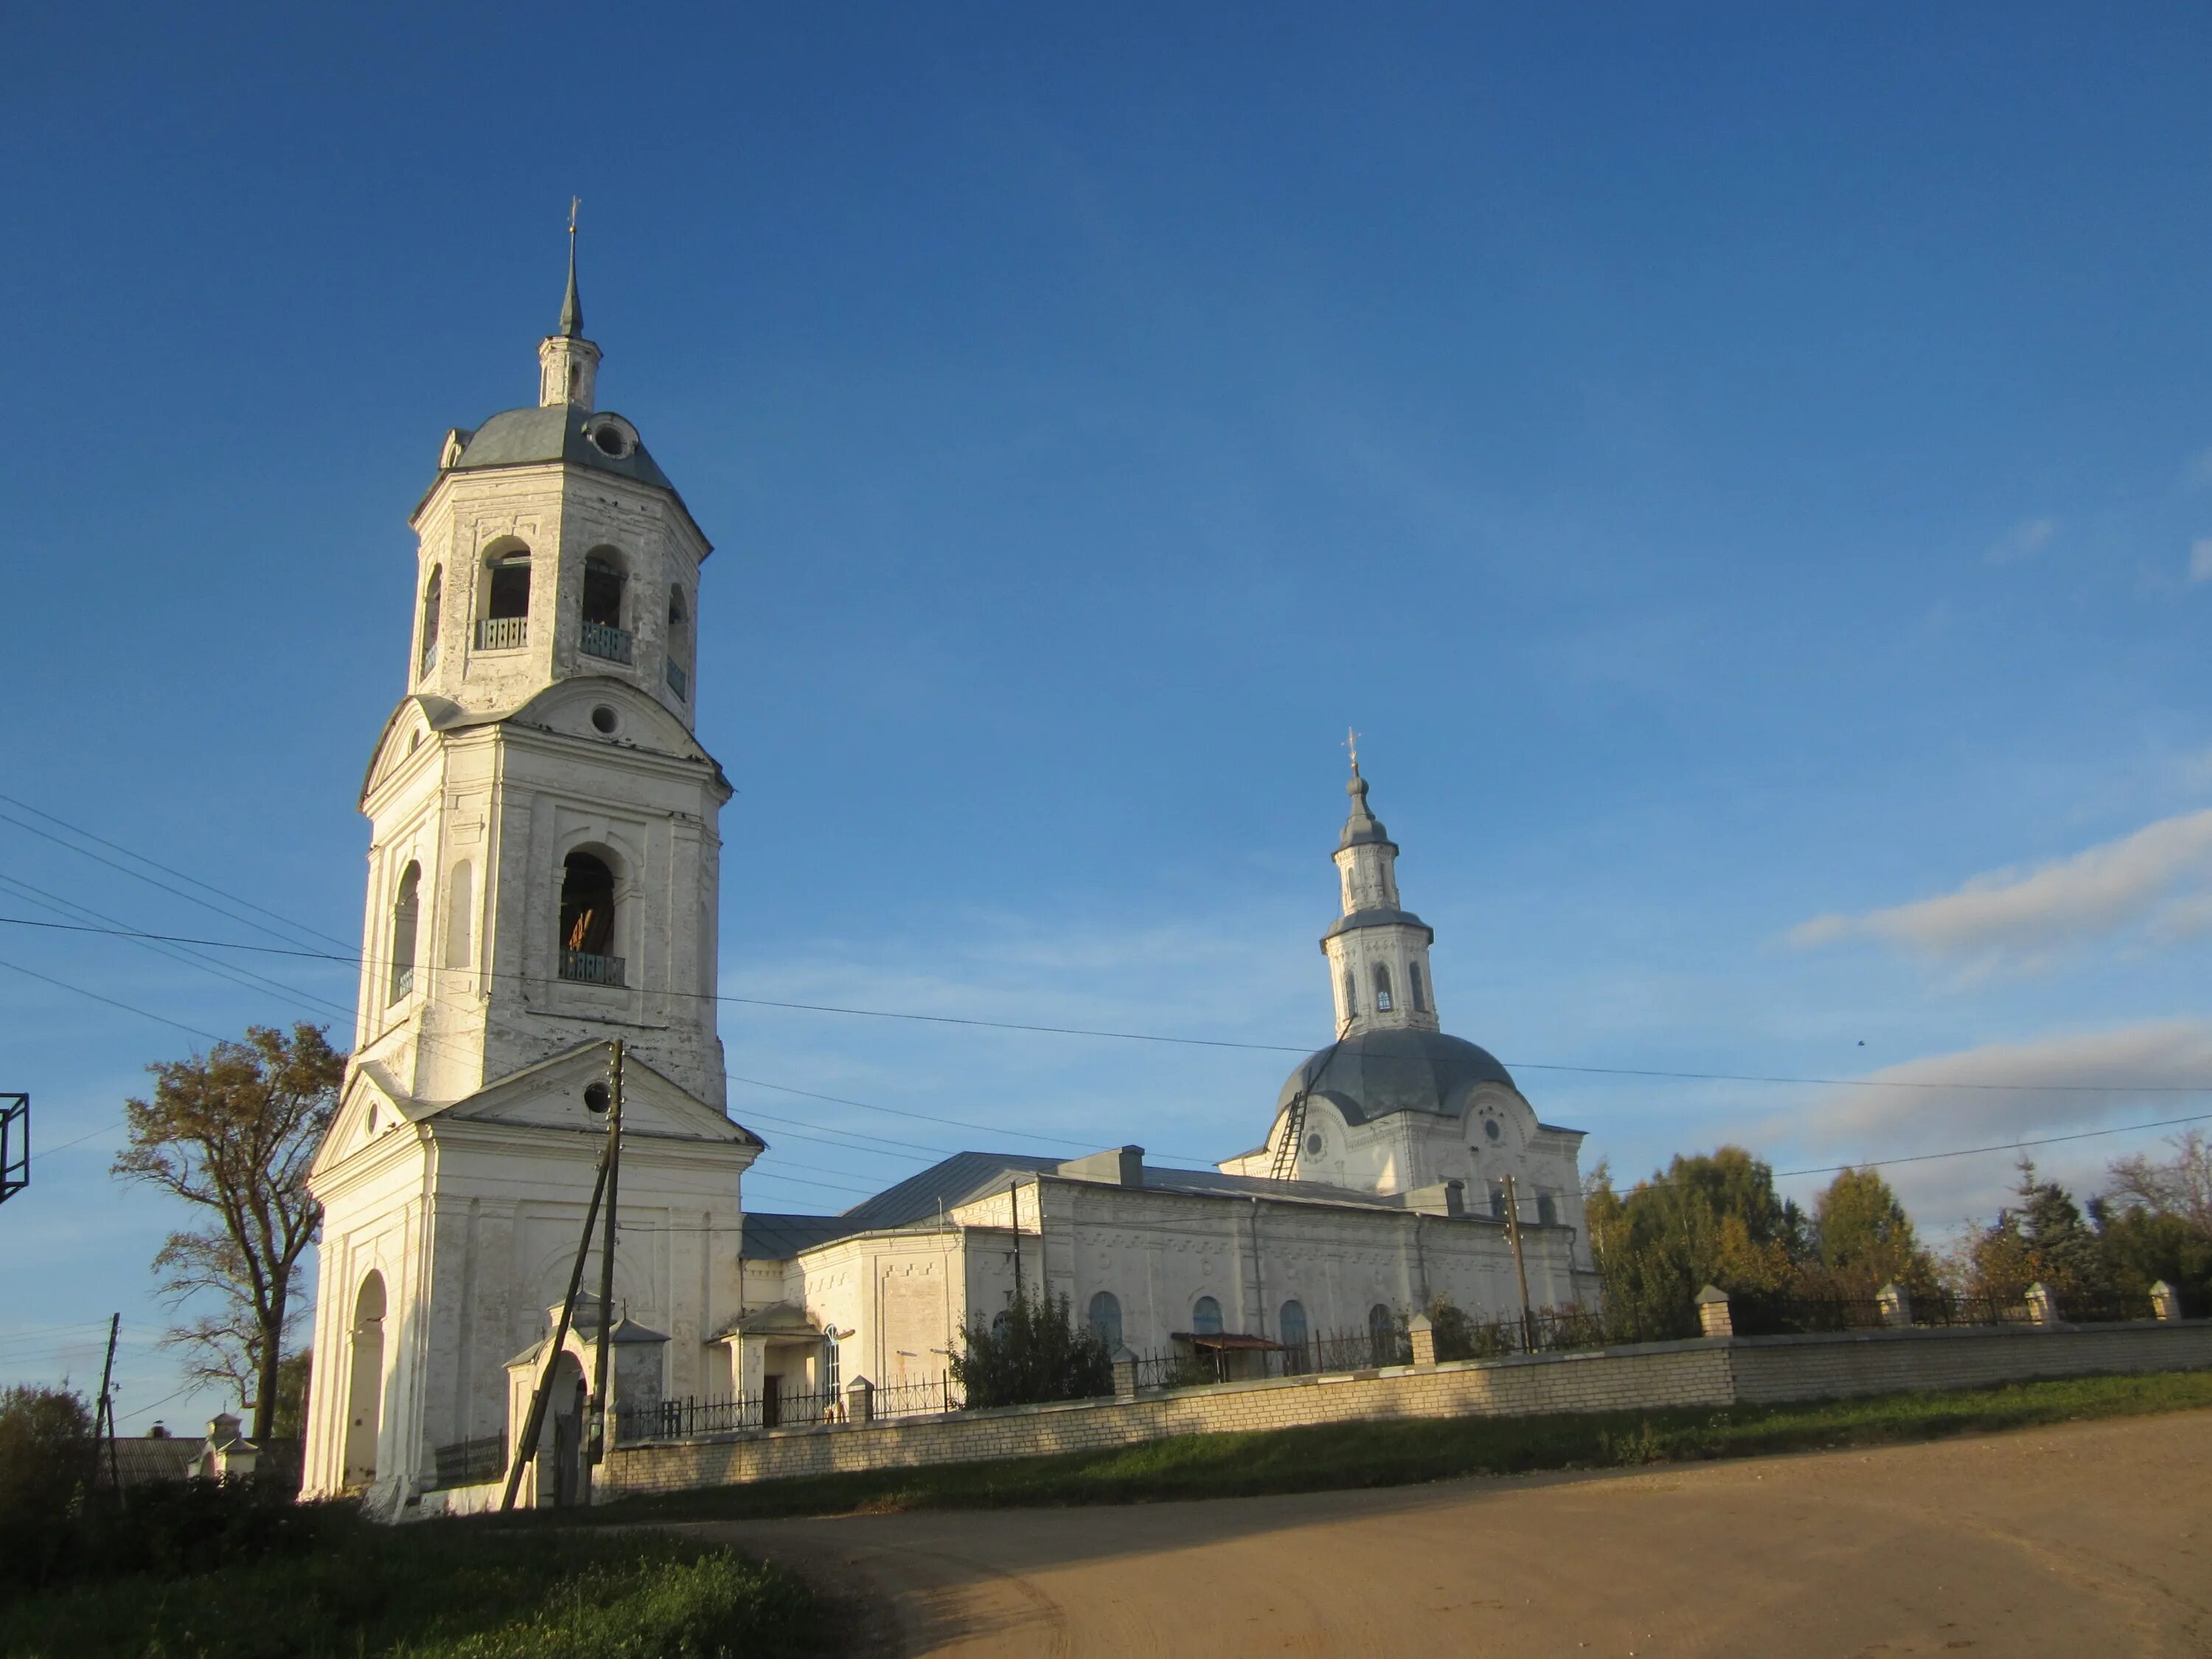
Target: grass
x=1404, y=1452
x=435, y=1591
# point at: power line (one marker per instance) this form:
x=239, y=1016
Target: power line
x=78, y=830
x=162, y=1018
x=1776, y=1079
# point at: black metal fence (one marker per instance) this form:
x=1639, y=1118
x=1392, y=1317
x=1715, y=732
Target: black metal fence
x=1768, y=1316
x=692, y=1418
x=469, y=1462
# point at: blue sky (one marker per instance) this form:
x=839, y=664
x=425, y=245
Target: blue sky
x=1747, y=475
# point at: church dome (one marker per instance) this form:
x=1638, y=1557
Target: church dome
x=1374, y=1073
x=560, y=432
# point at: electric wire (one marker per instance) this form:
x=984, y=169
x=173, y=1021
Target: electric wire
x=1776, y=1079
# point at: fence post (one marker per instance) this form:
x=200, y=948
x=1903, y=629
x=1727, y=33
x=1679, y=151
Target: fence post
x=1713, y=1316
x=860, y=1400
x=1125, y=1373
x=1895, y=1303
x=2042, y=1306
x=1423, y=1332
x=2165, y=1301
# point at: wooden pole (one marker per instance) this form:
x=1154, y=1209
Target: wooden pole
x=607, y=1264
x=1520, y=1265
x=534, y=1425
x=103, y=1420
x=1014, y=1200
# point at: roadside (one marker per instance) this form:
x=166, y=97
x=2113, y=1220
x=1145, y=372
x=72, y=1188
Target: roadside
x=1409, y=1452
x=2081, y=1538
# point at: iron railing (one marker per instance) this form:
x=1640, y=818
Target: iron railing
x=603, y=640
x=692, y=1418
x=587, y=968
x=469, y=1462
x=502, y=633
x=678, y=682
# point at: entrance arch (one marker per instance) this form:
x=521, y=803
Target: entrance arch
x=365, y=1389
x=567, y=1401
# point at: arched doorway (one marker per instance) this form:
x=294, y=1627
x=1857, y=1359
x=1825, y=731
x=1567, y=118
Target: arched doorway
x=567, y=1402
x=365, y=1389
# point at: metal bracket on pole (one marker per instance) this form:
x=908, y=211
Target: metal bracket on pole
x=15, y=1145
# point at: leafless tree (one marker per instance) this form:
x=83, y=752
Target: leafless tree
x=233, y=1130
x=2179, y=1185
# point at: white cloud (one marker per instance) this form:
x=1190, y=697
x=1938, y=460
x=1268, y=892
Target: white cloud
x=2200, y=560
x=2006, y=1092
x=2026, y=914
x=2027, y=537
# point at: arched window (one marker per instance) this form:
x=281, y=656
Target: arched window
x=406, y=909
x=587, y=922
x=1382, y=988
x=434, y=597
x=1295, y=1334
x=1351, y=996
x=1497, y=1200
x=1383, y=1335
x=1106, y=1319
x=679, y=644
x=504, y=624
x=833, y=1370
x=1205, y=1317
x=1420, y=991
x=1547, y=1210
x=604, y=581
x=460, y=886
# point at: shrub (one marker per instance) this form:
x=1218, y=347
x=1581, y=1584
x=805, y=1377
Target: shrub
x=1033, y=1352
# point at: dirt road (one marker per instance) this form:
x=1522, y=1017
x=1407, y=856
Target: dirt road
x=2090, y=1538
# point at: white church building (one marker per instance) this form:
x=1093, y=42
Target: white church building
x=543, y=879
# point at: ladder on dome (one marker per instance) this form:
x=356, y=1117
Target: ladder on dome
x=1294, y=1131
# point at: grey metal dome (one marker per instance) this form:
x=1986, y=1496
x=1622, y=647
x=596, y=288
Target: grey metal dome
x=1372, y=1074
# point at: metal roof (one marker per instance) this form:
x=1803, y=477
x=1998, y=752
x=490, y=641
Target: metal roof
x=1372, y=1074
x=554, y=432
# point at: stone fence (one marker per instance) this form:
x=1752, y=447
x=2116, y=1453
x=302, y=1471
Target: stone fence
x=1716, y=1370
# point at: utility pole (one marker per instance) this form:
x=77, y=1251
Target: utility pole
x=1519, y=1266
x=598, y=1449
x=103, y=1421
x=597, y=1098
x=1014, y=1199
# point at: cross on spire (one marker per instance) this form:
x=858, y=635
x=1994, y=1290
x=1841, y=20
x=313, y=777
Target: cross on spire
x=1352, y=743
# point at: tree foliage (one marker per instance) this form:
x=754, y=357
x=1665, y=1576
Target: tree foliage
x=233, y=1132
x=1712, y=1219
x=1032, y=1351
x=46, y=1461
x=2041, y=1239
x=1864, y=1241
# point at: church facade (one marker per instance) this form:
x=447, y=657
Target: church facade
x=542, y=878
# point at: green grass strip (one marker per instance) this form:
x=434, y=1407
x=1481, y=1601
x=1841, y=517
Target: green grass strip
x=436, y=1590
x=1405, y=1451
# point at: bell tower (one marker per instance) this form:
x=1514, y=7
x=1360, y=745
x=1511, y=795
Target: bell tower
x=543, y=866
x=545, y=847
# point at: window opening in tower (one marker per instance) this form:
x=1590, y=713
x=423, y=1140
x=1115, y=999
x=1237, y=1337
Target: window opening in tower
x=603, y=632
x=587, y=922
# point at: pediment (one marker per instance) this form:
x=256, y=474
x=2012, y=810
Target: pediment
x=568, y=706
x=370, y=1107
x=550, y=1096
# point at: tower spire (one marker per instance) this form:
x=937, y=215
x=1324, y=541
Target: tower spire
x=572, y=305
x=1378, y=952
x=568, y=363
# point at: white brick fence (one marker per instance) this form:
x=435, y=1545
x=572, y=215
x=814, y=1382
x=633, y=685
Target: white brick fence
x=1719, y=1370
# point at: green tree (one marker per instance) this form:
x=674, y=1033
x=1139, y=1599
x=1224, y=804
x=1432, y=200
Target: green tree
x=2042, y=1238
x=232, y=1132
x=45, y=1460
x=292, y=1376
x=1865, y=1239
x=1032, y=1351
x=1712, y=1219
x=2154, y=1220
